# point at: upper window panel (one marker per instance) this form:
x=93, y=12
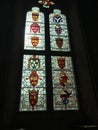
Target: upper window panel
x=59, y=38
x=34, y=30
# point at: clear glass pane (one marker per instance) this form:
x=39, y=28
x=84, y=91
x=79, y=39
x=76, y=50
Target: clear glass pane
x=34, y=38
x=59, y=38
x=64, y=87
x=33, y=84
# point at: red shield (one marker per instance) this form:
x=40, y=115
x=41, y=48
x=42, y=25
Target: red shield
x=34, y=41
x=33, y=78
x=59, y=42
x=33, y=97
x=34, y=28
x=63, y=79
x=61, y=62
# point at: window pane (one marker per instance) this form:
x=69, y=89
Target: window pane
x=34, y=30
x=33, y=84
x=64, y=87
x=59, y=39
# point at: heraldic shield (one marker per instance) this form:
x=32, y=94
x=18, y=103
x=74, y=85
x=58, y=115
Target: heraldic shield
x=34, y=62
x=35, y=28
x=58, y=29
x=33, y=97
x=63, y=78
x=35, y=16
x=59, y=42
x=33, y=78
x=61, y=62
x=34, y=41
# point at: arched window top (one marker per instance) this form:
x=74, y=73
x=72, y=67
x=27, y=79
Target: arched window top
x=34, y=30
x=59, y=37
x=34, y=15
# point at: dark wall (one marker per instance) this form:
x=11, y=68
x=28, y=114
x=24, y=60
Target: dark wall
x=87, y=11
x=6, y=21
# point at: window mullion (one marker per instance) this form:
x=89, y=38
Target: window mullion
x=48, y=65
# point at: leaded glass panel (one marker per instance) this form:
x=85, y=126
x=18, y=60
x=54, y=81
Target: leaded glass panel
x=33, y=84
x=34, y=38
x=59, y=38
x=64, y=86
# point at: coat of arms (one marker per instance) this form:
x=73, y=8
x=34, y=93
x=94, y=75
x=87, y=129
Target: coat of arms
x=65, y=97
x=61, y=62
x=63, y=78
x=33, y=78
x=57, y=19
x=34, y=62
x=35, y=16
x=34, y=27
x=34, y=41
x=59, y=42
x=58, y=29
x=33, y=97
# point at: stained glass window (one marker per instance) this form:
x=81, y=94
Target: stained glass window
x=34, y=30
x=62, y=79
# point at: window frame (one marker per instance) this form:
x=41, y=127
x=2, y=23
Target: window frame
x=48, y=53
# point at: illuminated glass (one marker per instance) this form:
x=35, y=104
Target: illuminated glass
x=64, y=87
x=34, y=38
x=59, y=38
x=33, y=80
x=33, y=83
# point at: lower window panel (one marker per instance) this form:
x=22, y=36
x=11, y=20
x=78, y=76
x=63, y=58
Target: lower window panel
x=33, y=83
x=64, y=86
